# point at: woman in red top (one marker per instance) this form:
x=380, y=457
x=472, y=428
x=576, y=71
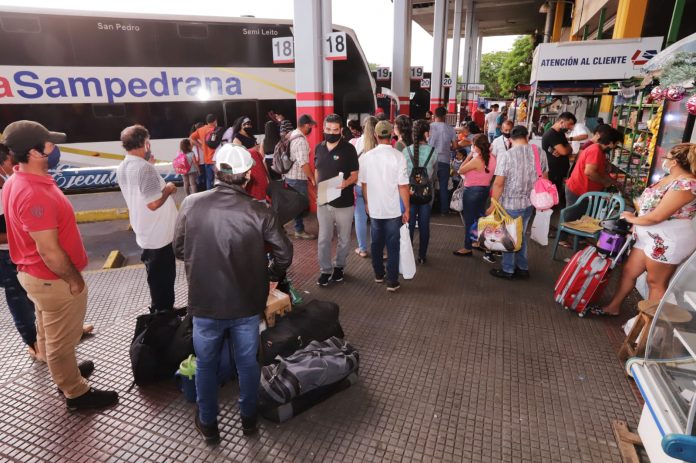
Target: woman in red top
x=258, y=184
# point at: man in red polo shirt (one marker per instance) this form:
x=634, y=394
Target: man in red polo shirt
x=46, y=245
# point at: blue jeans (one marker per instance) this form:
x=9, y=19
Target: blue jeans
x=420, y=212
x=513, y=260
x=21, y=308
x=386, y=231
x=208, y=337
x=443, y=175
x=491, y=136
x=360, y=219
x=301, y=187
x=208, y=172
x=473, y=204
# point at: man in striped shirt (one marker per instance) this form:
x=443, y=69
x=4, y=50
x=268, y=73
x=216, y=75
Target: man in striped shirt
x=300, y=174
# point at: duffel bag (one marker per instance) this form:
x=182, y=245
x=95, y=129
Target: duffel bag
x=314, y=321
x=286, y=202
x=318, y=364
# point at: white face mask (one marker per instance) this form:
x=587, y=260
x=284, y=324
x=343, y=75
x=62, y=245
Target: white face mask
x=664, y=165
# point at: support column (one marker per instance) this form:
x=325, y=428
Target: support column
x=473, y=57
x=456, y=39
x=548, y=28
x=439, y=47
x=469, y=49
x=600, y=25
x=401, y=55
x=327, y=65
x=675, y=24
x=558, y=21
x=629, y=19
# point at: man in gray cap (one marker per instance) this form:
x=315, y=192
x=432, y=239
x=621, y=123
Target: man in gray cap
x=46, y=245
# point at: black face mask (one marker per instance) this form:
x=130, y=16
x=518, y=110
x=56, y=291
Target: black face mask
x=563, y=130
x=332, y=137
x=506, y=135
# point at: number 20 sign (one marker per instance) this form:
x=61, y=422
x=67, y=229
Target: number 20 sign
x=336, y=46
x=283, y=50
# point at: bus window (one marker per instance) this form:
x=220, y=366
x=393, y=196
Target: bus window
x=109, y=110
x=238, y=108
x=174, y=119
x=20, y=24
x=192, y=31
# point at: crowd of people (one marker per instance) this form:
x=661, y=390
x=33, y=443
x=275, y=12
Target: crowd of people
x=388, y=175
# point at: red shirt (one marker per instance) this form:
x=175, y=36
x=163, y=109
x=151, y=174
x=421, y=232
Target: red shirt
x=480, y=118
x=258, y=184
x=579, y=183
x=34, y=203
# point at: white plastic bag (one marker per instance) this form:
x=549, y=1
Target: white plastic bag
x=456, y=204
x=407, y=261
x=540, y=227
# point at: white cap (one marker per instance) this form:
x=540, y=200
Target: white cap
x=236, y=157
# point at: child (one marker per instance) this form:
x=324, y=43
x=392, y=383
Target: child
x=454, y=167
x=189, y=178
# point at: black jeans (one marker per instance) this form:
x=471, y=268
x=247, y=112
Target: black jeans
x=160, y=265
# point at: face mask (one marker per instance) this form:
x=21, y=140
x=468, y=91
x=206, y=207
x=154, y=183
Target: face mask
x=506, y=135
x=563, y=130
x=664, y=165
x=332, y=137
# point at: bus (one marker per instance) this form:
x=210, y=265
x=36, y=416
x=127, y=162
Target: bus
x=91, y=74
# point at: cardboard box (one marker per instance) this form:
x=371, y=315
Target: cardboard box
x=278, y=304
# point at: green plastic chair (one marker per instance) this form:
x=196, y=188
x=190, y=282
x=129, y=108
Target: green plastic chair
x=602, y=206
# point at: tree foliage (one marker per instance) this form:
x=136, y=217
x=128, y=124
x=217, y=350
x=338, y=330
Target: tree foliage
x=501, y=71
x=491, y=65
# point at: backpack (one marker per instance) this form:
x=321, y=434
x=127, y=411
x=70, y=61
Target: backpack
x=282, y=163
x=181, y=164
x=214, y=137
x=318, y=364
x=420, y=184
x=544, y=195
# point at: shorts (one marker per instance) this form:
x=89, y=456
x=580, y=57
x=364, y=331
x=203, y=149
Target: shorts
x=669, y=242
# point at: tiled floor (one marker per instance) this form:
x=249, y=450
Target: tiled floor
x=457, y=366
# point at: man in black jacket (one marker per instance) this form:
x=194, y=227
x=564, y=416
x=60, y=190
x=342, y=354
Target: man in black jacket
x=221, y=236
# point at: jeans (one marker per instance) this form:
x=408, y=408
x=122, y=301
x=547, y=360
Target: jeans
x=360, y=219
x=340, y=218
x=208, y=337
x=491, y=136
x=443, y=175
x=209, y=171
x=160, y=265
x=59, y=318
x=386, y=231
x=421, y=213
x=301, y=187
x=513, y=260
x=190, y=183
x=557, y=175
x=21, y=308
x=473, y=204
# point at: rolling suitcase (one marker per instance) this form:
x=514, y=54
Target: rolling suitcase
x=583, y=278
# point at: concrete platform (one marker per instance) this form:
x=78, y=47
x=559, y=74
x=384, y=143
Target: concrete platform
x=457, y=366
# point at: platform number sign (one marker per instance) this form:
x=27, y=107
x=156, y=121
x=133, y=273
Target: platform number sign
x=425, y=83
x=416, y=72
x=447, y=82
x=283, y=50
x=336, y=46
x=383, y=74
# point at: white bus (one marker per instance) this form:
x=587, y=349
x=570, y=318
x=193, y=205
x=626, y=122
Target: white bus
x=90, y=74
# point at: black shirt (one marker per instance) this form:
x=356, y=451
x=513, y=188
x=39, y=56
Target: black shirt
x=558, y=166
x=247, y=142
x=343, y=158
x=271, y=136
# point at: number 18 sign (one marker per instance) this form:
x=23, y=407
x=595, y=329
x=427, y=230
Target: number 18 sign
x=336, y=46
x=283, y=50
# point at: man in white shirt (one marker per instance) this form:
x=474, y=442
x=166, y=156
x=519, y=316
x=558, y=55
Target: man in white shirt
x=300, y=174
x=384, y=178
x=579, y=135
x=152, y=214
x=490, y=124
x=502, y=143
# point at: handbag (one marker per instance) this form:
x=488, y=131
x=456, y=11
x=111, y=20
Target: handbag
x=407, y=261
x=499, y=231
x=457, y=202
x=544, y=195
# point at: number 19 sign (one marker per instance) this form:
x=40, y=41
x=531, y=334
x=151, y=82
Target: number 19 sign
x=283, y=50
x=336, y=46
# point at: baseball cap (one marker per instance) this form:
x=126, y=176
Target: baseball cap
x=306, y=119
x=21, y=136
x=234, y=156
x=285, y=126
x=383, y=129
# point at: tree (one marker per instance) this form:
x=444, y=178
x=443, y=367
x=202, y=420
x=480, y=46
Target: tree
x=517, y=67
x=373, y=66
x=491, y=66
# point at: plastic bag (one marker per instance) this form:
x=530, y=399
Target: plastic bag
x=541, y=225
x=499, y=231
x=407, y=261
x=456, y=204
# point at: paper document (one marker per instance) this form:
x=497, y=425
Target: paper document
x=328, y=190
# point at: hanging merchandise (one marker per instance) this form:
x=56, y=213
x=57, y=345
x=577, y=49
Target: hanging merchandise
x=657, y=93
x=691, y=105
x=676, y=93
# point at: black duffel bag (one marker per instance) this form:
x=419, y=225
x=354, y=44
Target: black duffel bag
x=313, y=321
x=286, y=202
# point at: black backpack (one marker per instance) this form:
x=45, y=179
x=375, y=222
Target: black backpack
x=214, y=137
x=420, y=184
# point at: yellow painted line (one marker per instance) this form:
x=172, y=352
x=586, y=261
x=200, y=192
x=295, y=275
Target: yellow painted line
x=94, y=154
x=101, y=215
x=258, y=79
x=115, y=260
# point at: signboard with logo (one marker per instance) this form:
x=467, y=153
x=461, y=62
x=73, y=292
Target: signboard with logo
x=593, y=59
x=471, y=87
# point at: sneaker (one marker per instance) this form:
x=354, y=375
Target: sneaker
x=337, y=274
x=324, y=279
x=303, y=235
x=393, y=286
x=490, y=258
x=209, y=432
x=422, y=260
x=519, y=273
x=94, y=398
x=86, y=368
x=379, y=278
x=499, y=273
x=249, y=426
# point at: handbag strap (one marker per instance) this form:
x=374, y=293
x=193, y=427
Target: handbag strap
x=537, y=162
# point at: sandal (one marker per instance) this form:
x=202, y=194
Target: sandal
x=87, y=330
x=362, y=254
x=598, y=311
x=459, y=253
